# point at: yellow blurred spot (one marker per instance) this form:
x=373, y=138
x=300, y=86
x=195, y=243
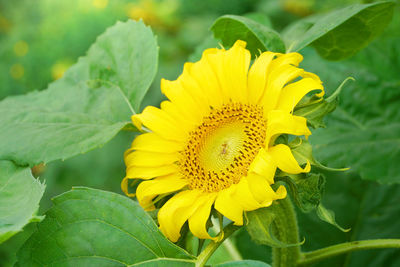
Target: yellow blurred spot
x=4, y=24
x=299, y=8
x=21, y=48
x=143, y=10
x=58, y=69
x=160, y=14
x=100, y=4
x=17, y=71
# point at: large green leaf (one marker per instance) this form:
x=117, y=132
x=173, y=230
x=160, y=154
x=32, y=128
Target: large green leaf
x=20, y=194
x=88, y=227
x=340, y=33
x=251, y=250
x=264, y=225
x=363, y=132
x=88, y=106
x=230, y=28
x=126, y=55
x=369, y=209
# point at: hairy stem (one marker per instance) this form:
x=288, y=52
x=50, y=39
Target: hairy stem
x=324, y=253
x=286, y=230
x=212, y=246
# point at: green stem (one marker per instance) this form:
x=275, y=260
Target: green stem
x=286, y=230
x=212, y=246
x=232, y=250
x=324, y=253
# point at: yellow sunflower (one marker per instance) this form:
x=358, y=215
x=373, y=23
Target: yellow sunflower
x=212, y=144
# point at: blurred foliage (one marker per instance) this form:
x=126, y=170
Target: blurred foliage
x=40, y=39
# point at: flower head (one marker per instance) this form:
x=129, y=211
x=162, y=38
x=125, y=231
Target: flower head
x=212, y=144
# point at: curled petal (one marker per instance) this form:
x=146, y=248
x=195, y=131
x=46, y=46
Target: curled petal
x=264, y=165
x=228, y=206
x=148, y=190
x=285, y=160
x=197, y=222
x=257, y=78
x=280, y=122
x=294, y=92
x=176, y=211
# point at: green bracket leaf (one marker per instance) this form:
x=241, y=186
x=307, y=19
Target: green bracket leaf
x=20, y=194
x=88, y=106
x=329, y=217
x=97, y=228
x=302, y=151
x=306, y=189
x=314, y=110
x=230, y=28
x=340, y=33
x=260, y=226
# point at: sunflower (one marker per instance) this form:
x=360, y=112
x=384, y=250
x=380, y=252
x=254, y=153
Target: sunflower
x=212, y=144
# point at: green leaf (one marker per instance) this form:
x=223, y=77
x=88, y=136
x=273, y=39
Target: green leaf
x=362, y=149
x=340, y=33
x=260, y=18
x=230, y=28
x=97, y=228
x=302, y=151
x=20, y=194
x=368, y=208
x=315, y=111
x=243, y=263
x=306, y=189
x=329, y=217
x=125, y=55
x=250, y=249
x=260, y=226
x=362, y=133
x=88, y=106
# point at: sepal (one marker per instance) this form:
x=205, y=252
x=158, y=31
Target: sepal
x=302, y=151
x=261, y=224
x=314, y=108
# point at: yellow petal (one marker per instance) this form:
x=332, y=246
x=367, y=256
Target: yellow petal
x=264, y=165
x=228, y=206
x=160, y=123
x=186, y=123
x=232, y=67
x=145, y=158
x=154, y=143
x=244, y=196
x=185, y=103
x=314, y=77
x=124, y=187
x=205, y=75
x=293, y=59
x=294, y=92
x=257, y=78
x=262, y=191
x=148, y=190
x=276, y=81
x=176, y=211
x=190, y=85
x=150, y=172
x=285, y=160
x=197, y=222
x=280, y=122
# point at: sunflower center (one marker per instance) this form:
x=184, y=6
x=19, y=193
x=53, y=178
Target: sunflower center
x=220, y=150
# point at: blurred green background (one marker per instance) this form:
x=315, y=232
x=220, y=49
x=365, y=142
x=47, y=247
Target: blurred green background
x=40, y=39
